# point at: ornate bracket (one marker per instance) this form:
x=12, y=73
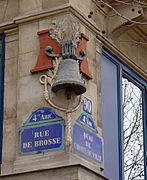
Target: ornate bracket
x=69, y=51
x=82, y=55
x=45, y=58
x=49, y=52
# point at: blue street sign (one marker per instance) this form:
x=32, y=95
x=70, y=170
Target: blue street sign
x=43, y=135
x=87, y=105
x=87, y=144
x=86, y=120
x=42, y=115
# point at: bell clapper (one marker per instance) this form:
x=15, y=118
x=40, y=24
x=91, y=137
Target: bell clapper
x=68, y=92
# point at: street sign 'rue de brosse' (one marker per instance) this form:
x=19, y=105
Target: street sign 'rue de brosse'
x=43, y=132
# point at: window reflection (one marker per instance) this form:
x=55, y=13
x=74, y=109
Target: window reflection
x=132, y=131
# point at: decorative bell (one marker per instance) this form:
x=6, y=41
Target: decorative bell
x=68, y=76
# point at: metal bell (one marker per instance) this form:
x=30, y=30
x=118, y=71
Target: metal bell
x=69, y=78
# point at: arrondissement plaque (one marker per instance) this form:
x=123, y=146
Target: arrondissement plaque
x=43, y=132
x=86, y=120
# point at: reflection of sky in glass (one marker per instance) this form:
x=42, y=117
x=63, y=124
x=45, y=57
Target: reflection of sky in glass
x=133, y=131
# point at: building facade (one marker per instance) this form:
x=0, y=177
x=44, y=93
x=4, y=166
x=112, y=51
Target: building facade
x=73, y=89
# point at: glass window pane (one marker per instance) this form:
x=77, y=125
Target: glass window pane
x=132, y=131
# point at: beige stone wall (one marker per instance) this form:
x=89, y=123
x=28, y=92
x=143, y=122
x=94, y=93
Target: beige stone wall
x=26, y=7
x=46, y=4
x=10, y=97
x=9, y=10
x=128, y=36
x=65, y=173
x=28, y=94
x=130, y=43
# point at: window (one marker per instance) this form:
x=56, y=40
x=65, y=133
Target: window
x=123, y=121
x=2, y=59
x=133, y=145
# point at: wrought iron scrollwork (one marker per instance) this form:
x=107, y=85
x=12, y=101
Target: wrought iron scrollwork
x=69, y=50
x=49, y=52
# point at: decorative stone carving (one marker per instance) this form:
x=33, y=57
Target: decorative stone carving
x=65, y=29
